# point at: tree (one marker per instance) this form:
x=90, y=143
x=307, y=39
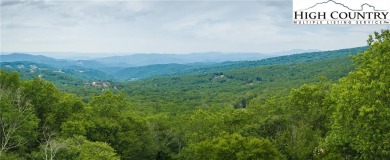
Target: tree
x=165, y=135
x=92, y=150
x=308, y=115
x=66, y=106
x=17, y=119
x=44, y=97
x=77, y=148
x=234, y=147
x=201, y=125
x=50, y=146
x=9, y=80
x=106, y=120
x=361, y=122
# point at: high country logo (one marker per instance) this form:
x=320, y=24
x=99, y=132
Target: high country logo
x=346, y=12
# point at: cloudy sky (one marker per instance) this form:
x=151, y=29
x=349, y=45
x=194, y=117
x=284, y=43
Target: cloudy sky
x=166, y=27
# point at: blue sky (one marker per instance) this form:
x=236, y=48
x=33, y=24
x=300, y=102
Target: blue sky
x=166, y=27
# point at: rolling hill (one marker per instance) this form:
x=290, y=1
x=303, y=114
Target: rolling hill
x=60, y=76
x=89, y=70
x=134, y=73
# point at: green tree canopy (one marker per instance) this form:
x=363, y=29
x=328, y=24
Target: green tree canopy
x=17, y=119
x=232, y=147
x=361, y=121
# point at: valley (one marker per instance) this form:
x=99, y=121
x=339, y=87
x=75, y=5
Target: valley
x=177, y=111
x=194, y=80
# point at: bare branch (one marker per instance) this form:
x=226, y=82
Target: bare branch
x=18, y=112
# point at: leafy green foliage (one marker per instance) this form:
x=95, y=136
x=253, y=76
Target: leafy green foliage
x=247, y=113
x=17, y=119
x=361, y=121
x=77, y=147
x=106, y=121
x=86, y=150
x=228, y=89
x=232, y=147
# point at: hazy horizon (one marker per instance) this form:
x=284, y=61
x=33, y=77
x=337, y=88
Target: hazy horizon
x=84, y=55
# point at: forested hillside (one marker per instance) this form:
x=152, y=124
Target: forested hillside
x=75, y=73
x=180, y=69
x=210, y=90
x=314, y=108
x=75, y=76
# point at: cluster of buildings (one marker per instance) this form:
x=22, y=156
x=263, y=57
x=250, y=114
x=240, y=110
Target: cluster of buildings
x=97, y=84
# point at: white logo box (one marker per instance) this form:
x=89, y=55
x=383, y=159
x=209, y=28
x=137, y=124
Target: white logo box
x=341, y=12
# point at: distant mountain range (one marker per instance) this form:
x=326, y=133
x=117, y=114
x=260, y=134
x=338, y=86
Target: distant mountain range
x=143, y=59
x=134, y=73
x=141, y=66
x=209, y=57
x=56, y=63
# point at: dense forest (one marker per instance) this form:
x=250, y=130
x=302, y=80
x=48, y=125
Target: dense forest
x=334, y=107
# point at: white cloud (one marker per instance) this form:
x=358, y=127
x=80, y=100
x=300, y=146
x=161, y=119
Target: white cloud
x=166, y=27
